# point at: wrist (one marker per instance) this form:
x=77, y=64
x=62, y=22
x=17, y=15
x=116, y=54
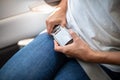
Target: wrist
x=97, y=57
x=63, y=5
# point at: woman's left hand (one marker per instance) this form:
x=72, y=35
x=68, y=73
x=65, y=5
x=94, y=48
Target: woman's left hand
x=78, y=49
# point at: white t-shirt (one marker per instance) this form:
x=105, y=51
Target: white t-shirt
x=98, y=23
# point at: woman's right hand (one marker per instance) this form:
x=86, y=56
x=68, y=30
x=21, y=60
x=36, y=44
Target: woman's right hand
x=58, y=17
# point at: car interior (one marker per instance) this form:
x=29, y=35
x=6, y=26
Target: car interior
x=20, y=22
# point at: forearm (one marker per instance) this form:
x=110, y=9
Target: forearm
x=80, y=49
x=63, y=5
x=107, y=57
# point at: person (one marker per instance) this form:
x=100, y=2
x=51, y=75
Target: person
x=97, y=23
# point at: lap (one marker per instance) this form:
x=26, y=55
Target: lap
x=38, y=60
x=71, y=71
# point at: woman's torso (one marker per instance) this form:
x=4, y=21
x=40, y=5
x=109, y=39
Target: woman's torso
x=97, y=22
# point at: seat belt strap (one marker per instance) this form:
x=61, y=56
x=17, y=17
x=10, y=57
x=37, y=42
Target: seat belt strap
x=94, y=71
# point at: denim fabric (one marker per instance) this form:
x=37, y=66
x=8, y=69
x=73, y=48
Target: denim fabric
x=71, y=71
x=39, y=61
x=36, y=61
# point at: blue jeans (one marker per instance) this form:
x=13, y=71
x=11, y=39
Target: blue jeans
x=39, y=61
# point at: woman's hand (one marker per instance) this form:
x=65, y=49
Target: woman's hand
x=78, y=49
x=58, y=17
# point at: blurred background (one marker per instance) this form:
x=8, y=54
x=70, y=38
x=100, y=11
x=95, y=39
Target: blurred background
x=20, y=22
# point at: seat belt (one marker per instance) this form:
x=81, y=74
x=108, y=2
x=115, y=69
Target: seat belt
x=94, y=71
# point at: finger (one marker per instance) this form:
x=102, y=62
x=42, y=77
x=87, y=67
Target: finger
x=76, y=37
x=51, y=24
x=63, y=23
x=50, y=28
x=73, y=34
x=83, y=42
x=57, y=47
x=55, y=43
